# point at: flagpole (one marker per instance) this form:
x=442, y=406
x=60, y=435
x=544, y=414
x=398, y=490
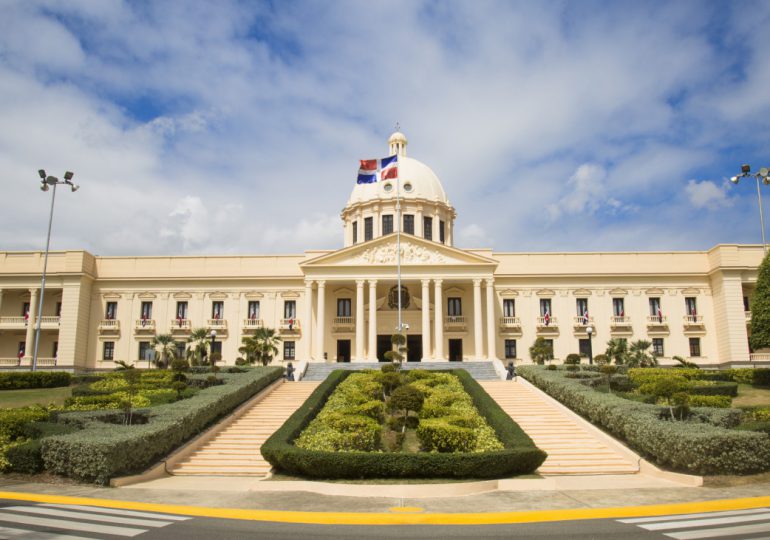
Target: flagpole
x=398, y=244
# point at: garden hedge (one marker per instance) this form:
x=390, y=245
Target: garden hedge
x=99, y=451
x=702, y=445
x=519, y=456
x=19, y=380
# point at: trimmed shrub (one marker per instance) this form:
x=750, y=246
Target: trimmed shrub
x=572, y=359
x=519, y=455
x=718, y=401
x=13, y=421
x=100, y=451
x=701, y=445
x=761, y=377
x=443, y=435
x=715, y=388
x=19, y=380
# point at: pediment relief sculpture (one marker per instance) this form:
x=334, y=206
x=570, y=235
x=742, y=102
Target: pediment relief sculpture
x=253, y=294
x=146, y=295
x=410, y=254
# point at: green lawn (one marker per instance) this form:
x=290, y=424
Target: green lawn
x=750, y=396
x=42, y=396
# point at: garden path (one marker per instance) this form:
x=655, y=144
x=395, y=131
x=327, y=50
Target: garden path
x=234, y=451
x=572, y=447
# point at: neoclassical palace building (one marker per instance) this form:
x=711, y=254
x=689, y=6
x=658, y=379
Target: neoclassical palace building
x=342, y=305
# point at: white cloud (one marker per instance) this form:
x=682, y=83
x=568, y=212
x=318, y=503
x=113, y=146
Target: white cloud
x=472, y=236
x=707, y=194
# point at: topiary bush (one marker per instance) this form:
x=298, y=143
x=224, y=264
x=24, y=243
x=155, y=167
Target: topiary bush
x=572, y=359
x=19, y=380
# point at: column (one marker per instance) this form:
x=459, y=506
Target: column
x=425, y=320
x=29, y=342
x=360, y=320
x=321, y=321
x=377, y=225
x=306, y=324
x=438, y=314
x=477, y=319
x=491, y=326
x=419, y=229
x=372, y=350
x=1, y=300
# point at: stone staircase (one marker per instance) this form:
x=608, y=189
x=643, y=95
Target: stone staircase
x=481, y=371
x=234, y=451
x=572, y=447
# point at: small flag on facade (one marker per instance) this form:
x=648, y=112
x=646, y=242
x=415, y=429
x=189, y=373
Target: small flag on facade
x=547, y=318
x=585, y=317
x=374, y=170
x=660, y=315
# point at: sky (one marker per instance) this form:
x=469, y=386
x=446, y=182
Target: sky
x=236, y=127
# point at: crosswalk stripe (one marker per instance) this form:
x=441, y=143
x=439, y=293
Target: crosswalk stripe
x=100, y=510
x=88, y=516
x=69, y=525
x=691, y=523
x=23, y=534
x=721, y=532
x=688, y=516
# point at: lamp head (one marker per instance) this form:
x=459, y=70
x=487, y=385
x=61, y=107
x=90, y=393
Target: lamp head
x=745, y=169
x=74, y=187
x=42, y=174
x=764, y=171
x=68, y=175
x=43, y=187
x=735, y=179
x=213, y=334
x=590, y=330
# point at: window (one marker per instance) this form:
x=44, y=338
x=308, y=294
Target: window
x=509, y=307
x=253, y=309
x=343, y=307
x=181, y=310
x=694, y=346
x=108, y=351
x=387, y=224
x=582, y=306
x=510, y=348
x=145, y=351
x=408, y=223
x=657, y=346
x=111, y=312
x=180, y=349
x=746, y=305
x=355, y=232
x=427, y=228
x=288, y=350
x=690, y=306
x=25, y=309
x=55, y=350
x=368, y=229
x=441, y=231
x=216, y=347
x=217, y=310
x=584, y=345
x=454, y=307
x=545, y=307
x=289, y=309
x=618, y=307
x=58, y=309
x=146, y=311
x=549, y=342
x=655, y=310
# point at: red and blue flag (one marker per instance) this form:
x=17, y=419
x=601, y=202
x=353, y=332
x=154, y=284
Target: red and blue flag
x=375, y=170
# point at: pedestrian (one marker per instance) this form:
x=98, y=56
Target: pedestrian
x=289, y=372
x=511, y=369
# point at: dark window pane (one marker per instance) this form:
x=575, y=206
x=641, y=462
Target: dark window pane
x=288, y=350
x=368, y=229
x=509, y=307
x=289, y=309
x=387, y=224
x=694, y=346
x=510, y=348
x=427, y=228
x=344, y=307
x=408, y=223
x=355, y=232
x=441, y=231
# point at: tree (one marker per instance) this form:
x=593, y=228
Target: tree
x=639, y=355
x=165, y=349
x=617, y=350
x=572, y=359
x=685, y=363
x=406, y=398
x=398, y=353
x=132, y=377
x=249, y=349
x=197, y=345
x=266, y=344
x=760, y=309
x=123, y=365
x=540, y=351
x=670, y=389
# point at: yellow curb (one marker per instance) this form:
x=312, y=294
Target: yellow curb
x=407, y=509
x=371, y=518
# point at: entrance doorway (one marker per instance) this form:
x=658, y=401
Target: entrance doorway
x=455, y=350
x=343, y=350
x=414, y=346
x=383, y=345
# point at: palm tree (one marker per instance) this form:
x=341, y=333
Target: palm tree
x=617, y=350
x=165, y=348
x=267, y=344
x=540, y=351
x=197, y=345
x=638, y=355
x=249, y=349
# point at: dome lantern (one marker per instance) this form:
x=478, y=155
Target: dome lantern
x=397, y=144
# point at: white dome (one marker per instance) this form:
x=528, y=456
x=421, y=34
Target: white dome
x=417, y=181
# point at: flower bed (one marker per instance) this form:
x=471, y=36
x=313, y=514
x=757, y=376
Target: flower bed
x=514, y=452
x=702, y=445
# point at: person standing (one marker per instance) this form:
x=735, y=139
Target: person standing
x=289, y=372
x=511, y=369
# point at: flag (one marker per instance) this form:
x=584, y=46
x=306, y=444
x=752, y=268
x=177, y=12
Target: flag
x=660, y=315
x=179, y=320
x=144, y=319
x=585, y=317
x=291, y=324
x=693, y=313
x=26, y=317
x=374, y=170
x=622, y=313
x=547, y=318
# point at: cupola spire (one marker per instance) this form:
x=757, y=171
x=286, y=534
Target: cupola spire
x=397, y=143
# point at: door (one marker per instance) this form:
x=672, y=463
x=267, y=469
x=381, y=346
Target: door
x=414, y=346
x=343, y=350
x=455, y=350
x=383, y=345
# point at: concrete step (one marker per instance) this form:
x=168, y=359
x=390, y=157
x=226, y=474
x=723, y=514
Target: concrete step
x=480, y=370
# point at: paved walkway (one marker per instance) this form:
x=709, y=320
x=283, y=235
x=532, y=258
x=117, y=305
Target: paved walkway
x=234, y=451
x=572, y=447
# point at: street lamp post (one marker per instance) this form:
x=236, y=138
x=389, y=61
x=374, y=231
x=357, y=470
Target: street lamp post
x=762, y=174
x=213, y=341
x=590, y=332
x=45, y=183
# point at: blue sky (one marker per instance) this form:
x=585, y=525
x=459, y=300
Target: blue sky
x=235, y=127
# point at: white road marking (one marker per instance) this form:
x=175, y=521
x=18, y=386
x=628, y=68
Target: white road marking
x=688, y=516
x=691, y=523
x=89, y=517
x=7, y=532
x=102, y=510
x=721, y=532
x=69, y=525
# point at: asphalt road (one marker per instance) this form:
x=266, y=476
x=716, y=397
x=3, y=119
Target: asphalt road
x=38, y=521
